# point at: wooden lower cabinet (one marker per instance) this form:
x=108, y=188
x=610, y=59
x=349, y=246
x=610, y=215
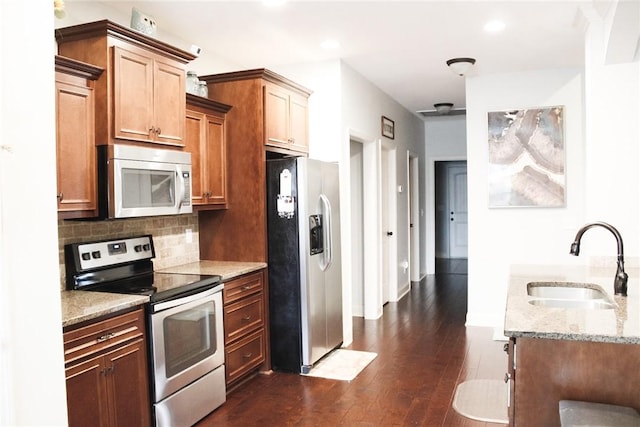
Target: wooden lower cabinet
x=546, y=371
x=107, y=373
x=245, y=320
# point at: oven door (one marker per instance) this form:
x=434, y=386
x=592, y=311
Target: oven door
x=187, y=340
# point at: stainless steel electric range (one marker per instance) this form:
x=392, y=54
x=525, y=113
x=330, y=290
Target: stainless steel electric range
x=184, y=323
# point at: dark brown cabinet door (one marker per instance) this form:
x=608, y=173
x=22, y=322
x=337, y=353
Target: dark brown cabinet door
x=276, y=121
x=148, y=94
x=205, y=139
x=299, y=127
x=87, y=394
x=127, y=385
x=193, y=141
x=107, y=373
x=133, y=96
x=216, y=160
x=285, y=121
x=75, y=149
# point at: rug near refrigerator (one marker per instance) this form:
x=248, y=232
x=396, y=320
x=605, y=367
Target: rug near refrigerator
x=342, y=364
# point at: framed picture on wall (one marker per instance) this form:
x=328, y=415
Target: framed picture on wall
x=526, y=158
x=388, y=127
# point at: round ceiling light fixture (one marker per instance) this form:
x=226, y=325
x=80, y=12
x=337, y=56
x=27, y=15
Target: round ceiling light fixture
x=460, y=66
x=443, y=108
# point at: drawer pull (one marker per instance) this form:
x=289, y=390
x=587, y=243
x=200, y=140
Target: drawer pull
x=247, y=355
x=246, y=318
x=107, y=371
x=105, y=337
x=246, y=287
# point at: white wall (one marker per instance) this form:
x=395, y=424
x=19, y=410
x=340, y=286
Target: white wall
x=501, y=237
x=445, y=139
x=363, y=104
x=32, y=387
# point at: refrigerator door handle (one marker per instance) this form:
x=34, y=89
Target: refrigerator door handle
x=328, y=244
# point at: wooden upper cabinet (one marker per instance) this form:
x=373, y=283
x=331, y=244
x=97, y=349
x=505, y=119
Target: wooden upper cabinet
x=286, y=119
x=141, y=96
x=147, y=91
x=205, y=139
x=75, y=138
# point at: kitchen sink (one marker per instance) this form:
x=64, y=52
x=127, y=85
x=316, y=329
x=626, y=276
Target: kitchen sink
x=572, y=291
x=570, y=295
x=588, y=304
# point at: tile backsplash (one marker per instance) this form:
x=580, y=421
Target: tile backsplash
x=169, y=237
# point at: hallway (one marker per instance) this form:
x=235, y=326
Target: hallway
x=424, y=351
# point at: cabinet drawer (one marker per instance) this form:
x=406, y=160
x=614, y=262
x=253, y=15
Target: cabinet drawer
x=243, y=316
x=244, y=355
x=102, y=335
x=242, y=287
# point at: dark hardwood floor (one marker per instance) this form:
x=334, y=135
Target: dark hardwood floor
x=424, y=351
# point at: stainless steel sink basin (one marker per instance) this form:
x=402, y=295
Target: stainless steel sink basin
x=569, y=295
x=572, y=291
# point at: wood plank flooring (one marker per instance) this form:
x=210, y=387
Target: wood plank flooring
x=424, y=351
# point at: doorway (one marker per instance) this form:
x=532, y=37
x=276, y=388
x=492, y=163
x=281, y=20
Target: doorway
x=451, y=226
x=366, y=261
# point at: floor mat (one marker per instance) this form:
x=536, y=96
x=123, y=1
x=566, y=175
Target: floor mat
x=342, y=364
x=482, y=400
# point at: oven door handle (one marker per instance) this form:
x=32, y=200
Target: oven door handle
x=164, y=305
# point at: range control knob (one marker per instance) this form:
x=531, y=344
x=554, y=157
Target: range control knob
x=138, y=248
x=146, y=247
x=96, y=254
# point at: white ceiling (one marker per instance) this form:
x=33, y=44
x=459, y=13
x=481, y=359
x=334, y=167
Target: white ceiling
x=400, y=46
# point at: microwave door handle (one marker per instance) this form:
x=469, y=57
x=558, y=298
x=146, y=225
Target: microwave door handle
x=180, y=181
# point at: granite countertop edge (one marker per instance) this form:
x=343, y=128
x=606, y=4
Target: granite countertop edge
x=82, y=306
x=620, y=325
x=227, y=270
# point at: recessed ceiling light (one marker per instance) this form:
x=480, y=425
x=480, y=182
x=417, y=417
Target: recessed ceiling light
x=274, y=3
x=330, y=44
x=494, y=26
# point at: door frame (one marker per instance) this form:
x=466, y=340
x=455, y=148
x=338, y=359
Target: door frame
x=413, y=211
x=431, y=208
x=391, y=210
x=372, y=289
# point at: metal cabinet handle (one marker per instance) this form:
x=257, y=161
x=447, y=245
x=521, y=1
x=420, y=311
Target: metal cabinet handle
x=247, y=355
x=246, y=318
x=108, y=370
x=60, y=196
x=105, y=337
x=507, y=377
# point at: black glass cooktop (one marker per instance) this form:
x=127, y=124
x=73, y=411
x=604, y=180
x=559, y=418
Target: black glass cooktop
x=160, y=286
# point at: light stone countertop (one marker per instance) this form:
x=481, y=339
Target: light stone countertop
x=620, y=325
x=227, y=269
x=80, y=306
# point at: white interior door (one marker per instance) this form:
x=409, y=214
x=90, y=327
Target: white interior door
x=458, y=211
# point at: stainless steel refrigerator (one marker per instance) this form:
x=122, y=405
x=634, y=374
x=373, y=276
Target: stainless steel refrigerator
x=305, y=281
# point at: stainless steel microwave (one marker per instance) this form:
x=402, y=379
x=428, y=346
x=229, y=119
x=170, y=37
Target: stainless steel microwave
x=139, y=181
